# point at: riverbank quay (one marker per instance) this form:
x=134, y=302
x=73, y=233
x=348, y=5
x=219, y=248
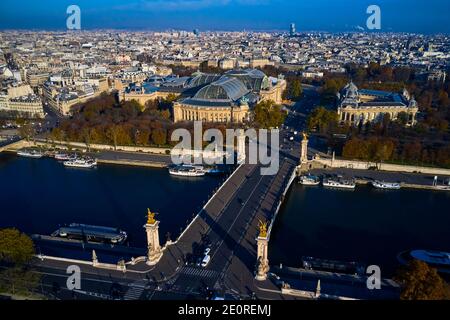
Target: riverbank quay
x=313, y=284
x=406, y=180
x=323, y=163
x=414, y=177
x=81, y=146
x=151, y=157
x=133, y=159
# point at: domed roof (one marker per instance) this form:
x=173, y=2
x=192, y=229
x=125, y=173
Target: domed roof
x=254, y=79
x=351, y=90
x=223, y=89
x=200, y=79
x=255, y=73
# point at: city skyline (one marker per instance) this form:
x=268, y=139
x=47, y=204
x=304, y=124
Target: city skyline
x=230, y=15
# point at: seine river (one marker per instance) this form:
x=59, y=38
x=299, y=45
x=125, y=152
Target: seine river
x=365, y=225
x=37, y=195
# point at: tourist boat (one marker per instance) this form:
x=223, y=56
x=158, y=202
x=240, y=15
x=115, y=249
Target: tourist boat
x=339, y=183
x=91, y=233
x=386, y=185
x=81, y=163
x=311, y=263
x=309, y=180
x=436, y=259
x=65, y=156
x=187, y=171
x=30, y=153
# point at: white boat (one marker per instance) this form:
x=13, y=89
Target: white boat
x=187, y=171
x=339, y=183
x=65, y=156
x=81, y=163
x=30, y=154
x=309, y=180
x=386, y=185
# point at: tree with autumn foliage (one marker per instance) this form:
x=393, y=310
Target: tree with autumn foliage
x=421, y=282
x=159, y=137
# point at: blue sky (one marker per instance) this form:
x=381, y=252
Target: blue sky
x=422, y=16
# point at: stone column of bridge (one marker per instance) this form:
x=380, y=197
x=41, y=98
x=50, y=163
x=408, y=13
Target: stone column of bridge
x=304, y=150
x=154, y=252
x=262, y=259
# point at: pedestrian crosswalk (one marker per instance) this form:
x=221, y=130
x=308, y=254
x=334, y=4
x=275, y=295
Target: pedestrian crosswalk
x=197, y=272
x=135, y=291
x=172, y=280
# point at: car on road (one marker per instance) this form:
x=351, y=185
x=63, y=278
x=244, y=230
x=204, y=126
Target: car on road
x=206, y=260
x=207, y=251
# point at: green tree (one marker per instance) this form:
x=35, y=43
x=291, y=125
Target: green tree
x=15, y=247
x=269, y=115
x=19, y=281
x=421, y=282
x=296, y=90
x=17, y=250
x=322, y=119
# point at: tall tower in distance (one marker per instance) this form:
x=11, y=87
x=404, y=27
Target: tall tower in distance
x=292, y=31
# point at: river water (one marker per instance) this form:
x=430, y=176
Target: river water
x=38, y=195
x=366, y=225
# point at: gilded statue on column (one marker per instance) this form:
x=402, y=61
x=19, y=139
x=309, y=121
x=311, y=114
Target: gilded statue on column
x=262, y=229
x=150, y=217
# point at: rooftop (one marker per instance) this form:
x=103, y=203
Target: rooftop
x=225, y=89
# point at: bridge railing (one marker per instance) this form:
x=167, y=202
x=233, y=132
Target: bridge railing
x=280, y=201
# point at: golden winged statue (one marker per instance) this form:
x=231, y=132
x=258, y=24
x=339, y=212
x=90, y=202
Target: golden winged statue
x=305, y=136
x=262, y=229
x=150, y=217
